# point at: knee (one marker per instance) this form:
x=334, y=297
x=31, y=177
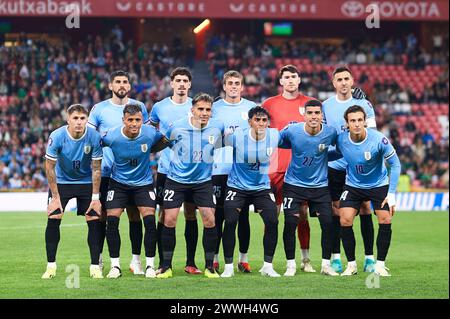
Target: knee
x=346, y=221
x=170, y=221
x=190, y=214
x=209, y=220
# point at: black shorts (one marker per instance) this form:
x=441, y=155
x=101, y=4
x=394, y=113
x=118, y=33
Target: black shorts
x=104, y=184
x=121, y=195
x=220, y=187
x=336, y=182
x=353, y=197
x=175, y=194
x=160, y=184
x=319, y=200
x=82, y=193
x=239, y=199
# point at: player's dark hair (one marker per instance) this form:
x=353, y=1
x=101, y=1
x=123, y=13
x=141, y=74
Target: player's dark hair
x=77, y=108
x=117, y=73
x=132, y=109
x=258, y=110
x=311, y=103
x=202, y=97
x=288, y=68
x=232, y=74
x=354, y=109
x=340, y=69
x=181, y=71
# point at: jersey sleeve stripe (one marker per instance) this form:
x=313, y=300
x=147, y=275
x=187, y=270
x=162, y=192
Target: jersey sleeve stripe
x=390, y=155
x=49, y=157
x=152, y=122
x=92, y=125
x=97, y=158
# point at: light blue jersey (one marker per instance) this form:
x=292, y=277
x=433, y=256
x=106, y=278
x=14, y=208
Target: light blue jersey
x=366, y=168
x=308, y=166
x=193, y=150
x=73, y=156
x=105, y=116
x=232, y=116
x=132, y=155
x=251, y=159
x=164, y=113
x=333, y=115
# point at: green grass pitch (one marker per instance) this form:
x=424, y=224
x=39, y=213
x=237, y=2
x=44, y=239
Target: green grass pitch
x=418, y=259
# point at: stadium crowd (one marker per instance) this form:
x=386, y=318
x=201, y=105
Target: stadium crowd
x=38, y=79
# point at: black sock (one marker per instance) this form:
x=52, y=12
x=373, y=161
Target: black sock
x=52, y=236
x=326, y=237
x=229, y=240
x=168, y=242
x=102, y=235
x=270, y=238
x=159, y=229
x=191, y=237
x=336, y=235
x=383, y=241
x=348, y=241
x=113, y=236
x=368, y=233
x=136, y=236
x=244, y=231
x=93, y=240
x=219, y=217
x=150, y=236
x=290, y=225
x=209, y=245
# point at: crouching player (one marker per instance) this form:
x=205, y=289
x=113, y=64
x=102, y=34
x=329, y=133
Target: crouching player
x=131, y=180
x=366, y=151
x=249, y=184
x=71, y=150
x=307, y=180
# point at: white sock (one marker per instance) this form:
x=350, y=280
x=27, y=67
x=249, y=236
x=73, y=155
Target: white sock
x=51, y=265
x=150, y=262
x=115, y=262
x=268, y=265
x=216, y=258
x=352, y=263
x=243, y=258
x=370, y=257
x=325, y=262
x=136, y=258
x=381, y=263
x=336, y=256
x=228, y=267
x=291, y=263
x=305, y=253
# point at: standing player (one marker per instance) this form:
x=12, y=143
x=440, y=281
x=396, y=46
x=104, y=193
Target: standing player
x=233, y=112
x=306, y=180
x=249, y=184
x=366, y=151
x=131, y=180
x=103, y=117
x=163, y=114
x=71, y=151
x=194, y=139
x=334, y=109
x=284, y=109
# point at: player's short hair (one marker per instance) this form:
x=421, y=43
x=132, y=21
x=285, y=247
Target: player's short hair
x=202, y=97
x=117, y=73
x=313, y=103
x=288, y=68
x=181, y=71
x=354, y=109
x=77, y=108
x=232, y=74
x=131, y=109
x=340, y=69
x=258, y=110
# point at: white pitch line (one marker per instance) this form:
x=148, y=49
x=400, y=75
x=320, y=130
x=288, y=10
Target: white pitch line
x=43, y=226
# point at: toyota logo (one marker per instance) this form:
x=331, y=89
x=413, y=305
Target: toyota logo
x=352, y=9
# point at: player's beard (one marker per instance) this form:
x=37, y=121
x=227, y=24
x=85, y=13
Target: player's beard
x=121, y=95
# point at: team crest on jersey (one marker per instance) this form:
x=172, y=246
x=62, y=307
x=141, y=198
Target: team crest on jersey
x=211, y=139
x=367, y=155
x=322, y=147
x=244, y=115
x=144, y=148
x=269, y=151
x=301, y=110
x=87, y=149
